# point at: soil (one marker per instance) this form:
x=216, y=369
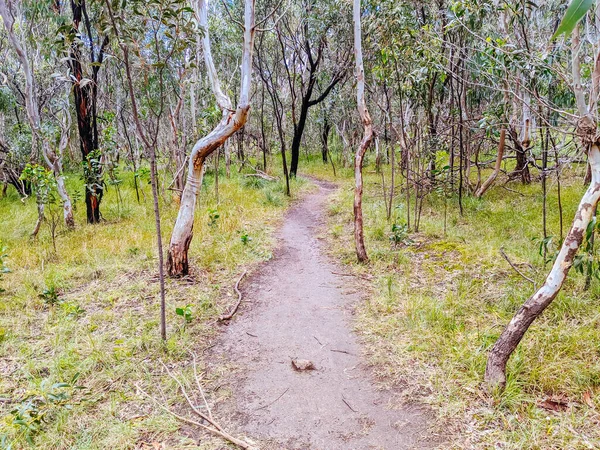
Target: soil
x=298, y=307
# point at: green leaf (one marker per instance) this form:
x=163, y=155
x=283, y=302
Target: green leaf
x=575, y=12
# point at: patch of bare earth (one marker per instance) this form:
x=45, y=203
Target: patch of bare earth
x=298, y=309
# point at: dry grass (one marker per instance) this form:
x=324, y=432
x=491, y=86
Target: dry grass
x=97, y=327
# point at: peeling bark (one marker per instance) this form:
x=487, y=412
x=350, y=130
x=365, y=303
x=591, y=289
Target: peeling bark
x=231, y=121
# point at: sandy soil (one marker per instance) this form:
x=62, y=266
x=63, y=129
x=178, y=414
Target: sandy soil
x=298, y=306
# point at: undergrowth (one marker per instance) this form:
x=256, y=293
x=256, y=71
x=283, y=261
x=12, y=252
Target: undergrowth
x=79, y=326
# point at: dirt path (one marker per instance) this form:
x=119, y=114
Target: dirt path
x=296, y=307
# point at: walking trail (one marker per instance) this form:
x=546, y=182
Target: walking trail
x=296, y=307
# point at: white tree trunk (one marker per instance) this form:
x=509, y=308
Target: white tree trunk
x=177, y=260
x=359, y=240
x=587, y=130
x=52, y=159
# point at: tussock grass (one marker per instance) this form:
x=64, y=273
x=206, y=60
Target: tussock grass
x=98, y=321
x=435, y=307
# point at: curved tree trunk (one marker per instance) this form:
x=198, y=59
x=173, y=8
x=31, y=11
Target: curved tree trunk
x=495, y=372
x=177, y=258
x=486, y=185
x=359, y=240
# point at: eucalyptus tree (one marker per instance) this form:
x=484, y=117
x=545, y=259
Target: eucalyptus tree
x=586, y=92
x=9, y=14
x=311, y=37
x=359, y=239
x=231, y=121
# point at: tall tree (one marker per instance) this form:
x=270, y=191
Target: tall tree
x=231, y=121
x=53, y=160
x=85, y=95
x=359, y=239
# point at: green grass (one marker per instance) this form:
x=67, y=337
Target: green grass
x=98, y=320
x=436, y=306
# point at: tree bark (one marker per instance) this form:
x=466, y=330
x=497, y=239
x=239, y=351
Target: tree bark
x=495, y=372
x=232, y=121
x=359, y=240
x=486, y=185
x=85, y=97
x=587, y=130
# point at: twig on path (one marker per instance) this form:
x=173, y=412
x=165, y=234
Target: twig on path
x=364, y=277
x=348, y=405
x=237, y=305
x=317, y=339
x=504, y=255
x=341, y=351
x=250, y=334
x=269, y=404
x=214, y=427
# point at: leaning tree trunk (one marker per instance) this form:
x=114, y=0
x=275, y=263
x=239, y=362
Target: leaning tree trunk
x=486, y=185
x=232, y=121
x=495, y=372
x=52, y=159
x=359, y=239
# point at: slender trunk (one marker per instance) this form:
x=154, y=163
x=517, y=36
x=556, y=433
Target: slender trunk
x=486, y=185
x=53, y=160
x=359, y=239
x=84, y=95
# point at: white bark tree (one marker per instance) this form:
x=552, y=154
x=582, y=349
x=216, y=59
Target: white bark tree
x=359, y=239
x=231, y=121
x=587, y=130
x=53, y=160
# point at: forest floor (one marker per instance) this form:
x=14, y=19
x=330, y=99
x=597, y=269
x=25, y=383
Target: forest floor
x=80, y=352
x=299, y=305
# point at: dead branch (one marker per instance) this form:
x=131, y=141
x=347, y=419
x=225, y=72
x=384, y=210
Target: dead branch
x=237, y=305
x=215, y=429
x=505, y=256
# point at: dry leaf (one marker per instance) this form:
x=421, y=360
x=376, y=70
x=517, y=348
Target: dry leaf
x=302, y=364
x=587, y=399
x=554, y=405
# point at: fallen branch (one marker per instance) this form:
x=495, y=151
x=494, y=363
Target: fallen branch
x=229, y=315
x=505, y=256
x=215, y=428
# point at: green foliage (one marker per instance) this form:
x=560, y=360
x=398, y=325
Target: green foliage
x=245, y=238
x=575, y=12
x=213, y=216
x=50, y=296
x=399, y=235
x=39, y=406
x=186, y=312
x=42, y=183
